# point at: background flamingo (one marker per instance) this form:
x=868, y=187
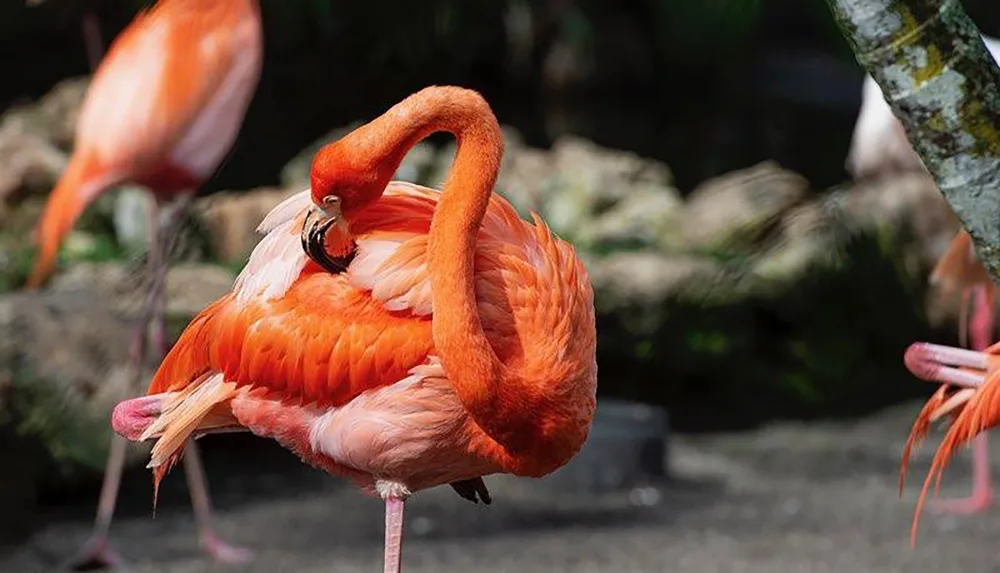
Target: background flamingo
x=164, y=109
x=434, y=339
x=880, y=147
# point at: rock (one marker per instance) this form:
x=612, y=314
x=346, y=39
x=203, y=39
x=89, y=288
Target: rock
x=231, y=219
x=67, y=370
x=190, y=286
x=584, y=182
x=635, y=291
x=647, y=218
x=729, y=213
x=131, y=218
x=53, y=118
x=911, y=200
x=599, y=198
x=29, y=165
x=65, y=365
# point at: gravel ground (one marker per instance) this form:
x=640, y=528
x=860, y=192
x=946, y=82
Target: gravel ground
x=789, y=498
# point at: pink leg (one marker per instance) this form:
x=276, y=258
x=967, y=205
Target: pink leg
x=193, y=469
x=393, y=534
x=200, y=502
x=97, y=552
x=980, y=334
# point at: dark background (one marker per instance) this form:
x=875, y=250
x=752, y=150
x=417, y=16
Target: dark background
x=706, y=86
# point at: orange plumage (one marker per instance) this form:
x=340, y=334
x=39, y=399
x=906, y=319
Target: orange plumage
x=459, y=341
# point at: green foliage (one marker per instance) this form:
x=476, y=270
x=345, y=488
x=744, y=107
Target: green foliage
x=705, y=30
x=829, y=343
x=75, y=444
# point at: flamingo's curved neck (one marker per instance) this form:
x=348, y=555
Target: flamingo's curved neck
x=481, y=380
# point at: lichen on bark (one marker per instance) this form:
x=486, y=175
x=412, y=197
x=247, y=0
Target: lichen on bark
x=929, y=59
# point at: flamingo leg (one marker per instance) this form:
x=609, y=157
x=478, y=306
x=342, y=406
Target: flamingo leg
x=982, y=496
x=210, y=541
x=393, y=534
x=194, y=471
x=96, y=552
x=92, y=39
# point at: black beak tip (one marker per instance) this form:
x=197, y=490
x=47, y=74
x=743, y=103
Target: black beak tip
x=313, y=238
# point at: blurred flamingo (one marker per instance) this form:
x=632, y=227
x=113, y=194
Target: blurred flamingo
x=960, y=270
x=880, y=147
x=393, y=334
x=163, y=110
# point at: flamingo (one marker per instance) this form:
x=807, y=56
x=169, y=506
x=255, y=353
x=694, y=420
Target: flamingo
x=163, y=110
x=880, y=147
x=396, y=335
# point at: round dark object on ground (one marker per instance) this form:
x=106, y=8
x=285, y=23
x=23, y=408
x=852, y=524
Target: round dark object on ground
x=627, y=447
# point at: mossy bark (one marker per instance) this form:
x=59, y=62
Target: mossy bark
x=941, y=82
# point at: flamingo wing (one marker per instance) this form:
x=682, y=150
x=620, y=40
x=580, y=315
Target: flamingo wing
x=322, y=342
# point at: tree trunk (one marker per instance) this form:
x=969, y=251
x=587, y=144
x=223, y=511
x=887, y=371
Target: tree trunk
x=929, y=59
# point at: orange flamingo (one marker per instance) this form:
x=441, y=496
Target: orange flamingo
x=396, y=335
x=163, y=110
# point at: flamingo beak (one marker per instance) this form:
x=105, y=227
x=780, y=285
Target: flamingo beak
x=318, y=222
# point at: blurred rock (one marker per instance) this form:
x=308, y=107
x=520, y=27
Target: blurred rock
x=731, y=212
x=626, y=448
x=597, y=197
x=647, y=278
x=190, y=286
x=231, y=219
x=64, y=360
x=34, y=142
x=577, y=183
x=53, y=117
x=29, y=165
x=648, y=217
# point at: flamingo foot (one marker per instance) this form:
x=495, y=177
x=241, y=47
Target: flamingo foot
x=223, y=552
x=96, y=554
x=947, y=364
x=982, y=488
x=978, y=502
